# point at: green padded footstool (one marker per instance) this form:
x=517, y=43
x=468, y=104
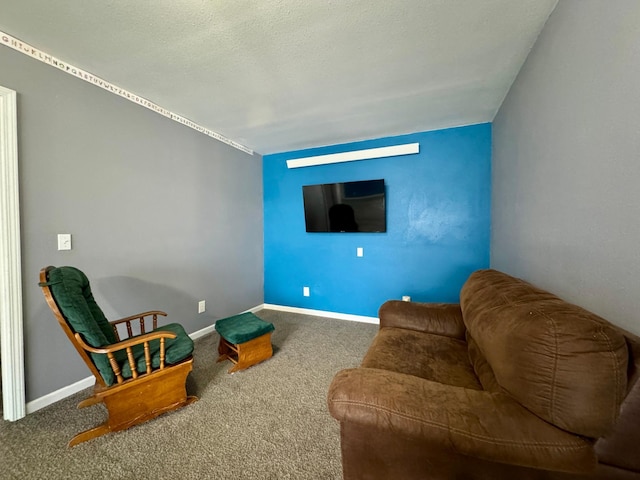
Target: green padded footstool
x=245, y=340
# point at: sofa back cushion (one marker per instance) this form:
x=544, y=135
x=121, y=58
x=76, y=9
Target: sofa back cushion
x=563, y=363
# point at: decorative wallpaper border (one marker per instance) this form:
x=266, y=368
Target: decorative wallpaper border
x=26, y=49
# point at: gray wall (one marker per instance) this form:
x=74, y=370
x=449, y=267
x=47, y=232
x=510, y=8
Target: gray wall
x=161, y=216
x=566, y=161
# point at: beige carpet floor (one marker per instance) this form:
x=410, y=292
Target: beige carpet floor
x=267, y=422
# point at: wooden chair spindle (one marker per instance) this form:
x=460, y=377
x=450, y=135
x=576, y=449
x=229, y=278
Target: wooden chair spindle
x=161, y=353
x=132, y=363
x=115, y=331
x=115, y=367
x=147, y=356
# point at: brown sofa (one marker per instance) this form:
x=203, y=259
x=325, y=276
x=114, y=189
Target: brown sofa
x=512, y=383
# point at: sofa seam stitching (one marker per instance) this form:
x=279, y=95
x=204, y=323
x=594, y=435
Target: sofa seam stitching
x=555, y=371
x=552, y=393
x=616, y=367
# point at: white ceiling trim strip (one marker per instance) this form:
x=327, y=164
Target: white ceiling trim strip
x=26, y=49
x=370, y=153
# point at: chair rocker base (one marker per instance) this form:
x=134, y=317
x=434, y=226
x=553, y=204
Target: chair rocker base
x=134, y=402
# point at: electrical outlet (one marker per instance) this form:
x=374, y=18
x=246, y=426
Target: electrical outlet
x=305, y=291
x=202, y=306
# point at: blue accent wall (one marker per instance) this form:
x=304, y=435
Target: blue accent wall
x=438, y=225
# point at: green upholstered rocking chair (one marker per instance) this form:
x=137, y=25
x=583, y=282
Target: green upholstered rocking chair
x=137, y=378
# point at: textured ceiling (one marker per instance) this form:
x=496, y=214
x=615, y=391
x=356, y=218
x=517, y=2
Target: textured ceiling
x=279, y=75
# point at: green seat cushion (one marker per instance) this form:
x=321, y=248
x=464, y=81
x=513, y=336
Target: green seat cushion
x=175, y=350
x=242, y=328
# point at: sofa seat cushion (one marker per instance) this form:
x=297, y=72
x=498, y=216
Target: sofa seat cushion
x=431, y=357
x=561, y=362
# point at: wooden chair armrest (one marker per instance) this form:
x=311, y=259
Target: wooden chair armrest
x=127, y=345
x=141, y=318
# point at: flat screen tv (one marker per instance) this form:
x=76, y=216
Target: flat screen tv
x=345, y=207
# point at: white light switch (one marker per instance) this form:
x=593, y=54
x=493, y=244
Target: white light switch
x=360, y=252
x=64, y=241
x=305, y=291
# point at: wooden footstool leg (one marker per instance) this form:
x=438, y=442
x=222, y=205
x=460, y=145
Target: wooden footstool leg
x=227, y=351
x=247, y=354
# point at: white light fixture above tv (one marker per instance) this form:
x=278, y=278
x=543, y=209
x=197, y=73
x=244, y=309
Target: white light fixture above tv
x=368, y=154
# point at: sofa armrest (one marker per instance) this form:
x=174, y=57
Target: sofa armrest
x=437, y=318
x=477, y=423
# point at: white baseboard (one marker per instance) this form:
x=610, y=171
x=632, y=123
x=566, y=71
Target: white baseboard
x=323, y=313
x=64, y=392
x=202, y=332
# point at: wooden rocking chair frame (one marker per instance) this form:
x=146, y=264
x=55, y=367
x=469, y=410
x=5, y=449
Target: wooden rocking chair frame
x=140, y=398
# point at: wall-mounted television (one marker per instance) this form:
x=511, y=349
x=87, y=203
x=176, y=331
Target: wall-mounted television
x=345, y=207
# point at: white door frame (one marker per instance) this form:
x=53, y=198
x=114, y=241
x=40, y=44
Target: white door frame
x=12, y=346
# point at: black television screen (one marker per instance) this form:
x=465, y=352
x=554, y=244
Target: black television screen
x=345, y=207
